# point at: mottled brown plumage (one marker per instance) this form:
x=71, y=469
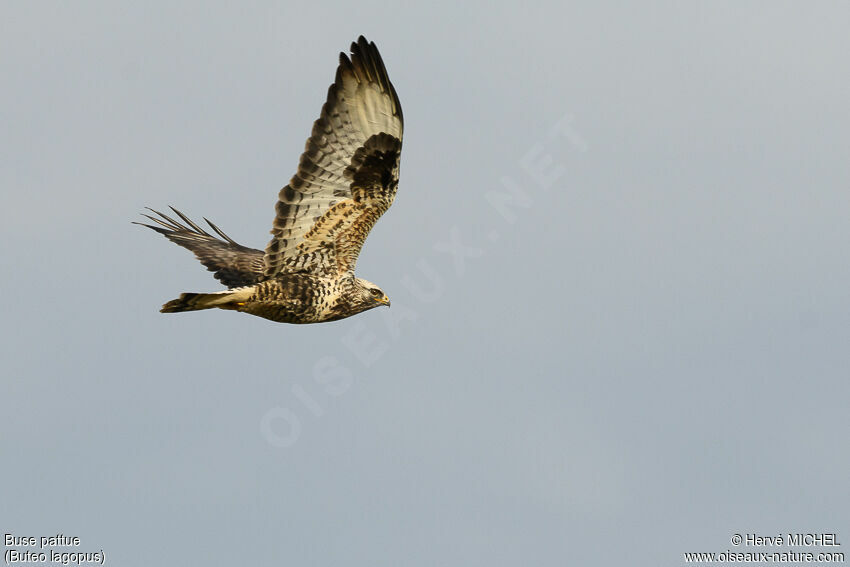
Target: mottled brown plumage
x=347, y=178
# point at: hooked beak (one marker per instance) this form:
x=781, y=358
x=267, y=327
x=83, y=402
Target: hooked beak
x=384, y=301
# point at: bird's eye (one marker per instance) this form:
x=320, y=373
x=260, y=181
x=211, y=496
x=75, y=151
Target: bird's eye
x=377, y=292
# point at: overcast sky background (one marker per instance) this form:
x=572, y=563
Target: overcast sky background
x=639, y=360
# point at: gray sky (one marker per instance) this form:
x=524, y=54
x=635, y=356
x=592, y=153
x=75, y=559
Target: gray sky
x=642, y=353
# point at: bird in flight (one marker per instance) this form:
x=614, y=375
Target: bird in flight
x=347, y=178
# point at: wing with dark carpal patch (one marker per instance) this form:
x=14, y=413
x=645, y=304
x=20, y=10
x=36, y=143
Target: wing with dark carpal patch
x=234, y=265
x=348, y=174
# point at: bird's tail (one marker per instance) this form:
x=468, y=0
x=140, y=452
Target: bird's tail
x=230, y=299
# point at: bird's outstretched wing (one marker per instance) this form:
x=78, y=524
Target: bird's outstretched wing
x=348, y=174
x=234, y=265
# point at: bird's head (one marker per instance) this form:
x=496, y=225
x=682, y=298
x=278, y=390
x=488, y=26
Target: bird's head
x=369, y=295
